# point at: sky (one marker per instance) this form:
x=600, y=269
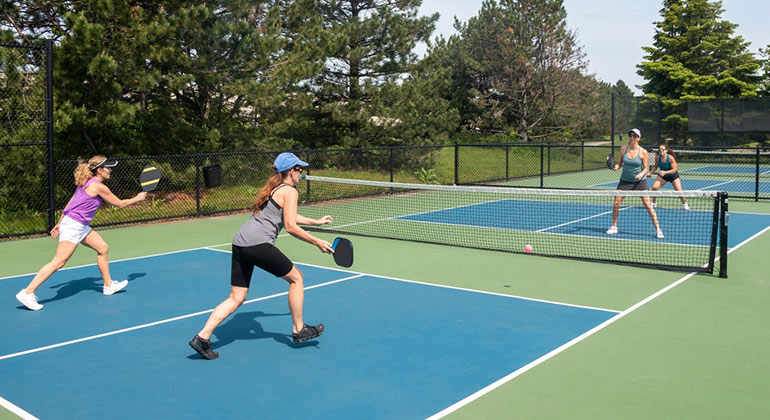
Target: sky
x=613, y=32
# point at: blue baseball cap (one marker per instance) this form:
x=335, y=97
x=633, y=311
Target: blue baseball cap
x=286, y=161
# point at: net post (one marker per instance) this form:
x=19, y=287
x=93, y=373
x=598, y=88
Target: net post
x=724, y=215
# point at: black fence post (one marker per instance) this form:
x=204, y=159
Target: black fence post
x=197, y=159
x=541, y=165
x=507, y=148
x=457, y=163
x=49, y=132
x=390, y=162
x=307, y=181
x=582, y=155
x=612, y=122
x=756, y=176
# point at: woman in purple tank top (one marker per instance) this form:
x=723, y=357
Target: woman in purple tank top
x=73, y=228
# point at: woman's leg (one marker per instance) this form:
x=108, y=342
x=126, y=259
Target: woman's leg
x=659, y=182
x=296, y=297
x=95, y=241
x=651, y=212
x=677, y=183
x=616, y=210
x=223, y=310
x=64, y=251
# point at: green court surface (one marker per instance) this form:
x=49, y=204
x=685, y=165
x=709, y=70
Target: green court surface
x=683, y=347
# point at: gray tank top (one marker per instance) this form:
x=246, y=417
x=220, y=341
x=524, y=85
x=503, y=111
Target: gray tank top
x=262, y=228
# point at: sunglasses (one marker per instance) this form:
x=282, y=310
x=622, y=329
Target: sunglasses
x=298, y=168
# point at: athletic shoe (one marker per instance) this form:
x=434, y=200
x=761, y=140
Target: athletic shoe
x=654, y=205
x=612, y=230
x=114, y=287
x=30, y=301
x=685, y=206
x=660, y=234
x=308, y=332
x=203, y=347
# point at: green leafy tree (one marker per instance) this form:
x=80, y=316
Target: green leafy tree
x=526, y=64
x=363, y=89
x=696, y=54
x=764, y=89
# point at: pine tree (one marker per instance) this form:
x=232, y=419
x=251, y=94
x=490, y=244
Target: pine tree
x=696, y=54
x=527, y=63
x=363, y=87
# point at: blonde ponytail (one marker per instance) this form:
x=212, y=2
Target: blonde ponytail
x=83, y=171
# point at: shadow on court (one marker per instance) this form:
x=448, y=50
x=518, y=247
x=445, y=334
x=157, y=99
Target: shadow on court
x=71, y=288
x=244, y=326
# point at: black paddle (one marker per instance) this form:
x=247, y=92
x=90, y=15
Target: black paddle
x=149, y=178
x=611, y=161
x=343, y=252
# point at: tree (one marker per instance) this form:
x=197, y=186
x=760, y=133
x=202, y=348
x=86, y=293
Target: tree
x=359, y=87
x=526, y=64
x=695, y=54
x=764, y=89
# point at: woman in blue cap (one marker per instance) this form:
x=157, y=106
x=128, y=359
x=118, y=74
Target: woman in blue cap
x=254, y=245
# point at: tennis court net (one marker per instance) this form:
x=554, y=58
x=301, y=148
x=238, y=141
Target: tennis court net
x=557, y=223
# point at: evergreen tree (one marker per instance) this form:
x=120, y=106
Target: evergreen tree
x=696, y=54
x=367, y=78
x=527, y=65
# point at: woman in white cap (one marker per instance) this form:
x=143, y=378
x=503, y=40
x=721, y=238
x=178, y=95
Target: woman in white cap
x=254, y=245
x=73, y=228
x=633, y=160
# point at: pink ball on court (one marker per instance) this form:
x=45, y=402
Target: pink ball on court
x=528, y=249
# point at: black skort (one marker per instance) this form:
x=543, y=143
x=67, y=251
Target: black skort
x=264, y=256
x=640, y=185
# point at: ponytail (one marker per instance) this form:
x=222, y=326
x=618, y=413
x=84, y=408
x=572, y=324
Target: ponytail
x=83, y=171
x=264, y=194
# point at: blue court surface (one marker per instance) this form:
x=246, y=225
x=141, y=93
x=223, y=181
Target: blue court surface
x=734, y=186
x=393, y=349
x=727, y=169
x=592, y=220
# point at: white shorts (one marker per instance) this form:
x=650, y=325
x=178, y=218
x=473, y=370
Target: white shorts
x=73, y=231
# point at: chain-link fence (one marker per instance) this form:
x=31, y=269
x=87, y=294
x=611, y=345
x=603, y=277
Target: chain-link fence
x=723, y=122
x=26, y=133
x=182, y=193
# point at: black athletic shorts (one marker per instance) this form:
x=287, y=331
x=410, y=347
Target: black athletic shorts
x=640, y=185
x=264, y=256
x=671, y=177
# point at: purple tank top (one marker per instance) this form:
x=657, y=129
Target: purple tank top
x=83, y=207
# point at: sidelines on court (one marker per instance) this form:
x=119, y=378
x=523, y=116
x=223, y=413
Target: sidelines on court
x=491, y=387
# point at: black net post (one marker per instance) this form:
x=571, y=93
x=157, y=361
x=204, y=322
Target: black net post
x=724, y=217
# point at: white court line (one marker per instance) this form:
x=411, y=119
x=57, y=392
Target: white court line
x=165, y=321
x=13, y=408
x=716, y=185
x=553, y=302
x=114, y=261
x=489, y=388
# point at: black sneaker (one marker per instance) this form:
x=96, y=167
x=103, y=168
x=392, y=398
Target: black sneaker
x=203, y=347
x=308, y=332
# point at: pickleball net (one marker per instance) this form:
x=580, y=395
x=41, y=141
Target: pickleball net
x=556, y=223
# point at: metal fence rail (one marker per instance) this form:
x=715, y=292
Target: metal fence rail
x=181, y=192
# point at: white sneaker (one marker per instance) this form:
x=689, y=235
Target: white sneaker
x=685, y=206
x=660, y=234
x=30, y=301
x=612, y=230
x=654, y=205
x=114, y=287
